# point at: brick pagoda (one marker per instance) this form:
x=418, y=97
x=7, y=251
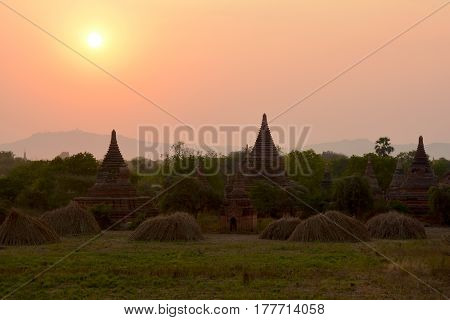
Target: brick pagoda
x=263, y=160
x=113, y=186
x=419, y=179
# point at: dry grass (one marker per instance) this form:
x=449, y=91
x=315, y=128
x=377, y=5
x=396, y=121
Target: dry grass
x=394, y=225
x=228, y=266
x=179, y=226
x=280, y=229
x=332, y=226
x=71, y=220
x=22, y=230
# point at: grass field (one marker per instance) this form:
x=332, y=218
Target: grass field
x=228, y=267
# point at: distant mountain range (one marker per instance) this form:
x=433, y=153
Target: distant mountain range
x=48, y=145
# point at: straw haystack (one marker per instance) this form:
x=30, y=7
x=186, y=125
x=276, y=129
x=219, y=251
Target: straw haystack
x=394, y=225
x=22, y=230
x=71, y=220
x=332, y=226
x=280, y=229
x=179, y=226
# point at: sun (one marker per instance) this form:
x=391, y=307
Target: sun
x=94, y=40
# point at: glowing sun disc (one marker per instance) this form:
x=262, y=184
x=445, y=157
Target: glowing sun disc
x=94, y=40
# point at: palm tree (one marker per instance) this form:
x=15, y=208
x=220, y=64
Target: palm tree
x=383, y=147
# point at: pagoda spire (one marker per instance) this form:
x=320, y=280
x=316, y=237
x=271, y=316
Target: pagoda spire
x=113, y=137
x=264, y=146
x=113, y=157
x=421, y=157
x=264, y=121
x=398, y=177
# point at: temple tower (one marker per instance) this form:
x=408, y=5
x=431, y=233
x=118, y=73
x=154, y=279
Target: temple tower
x=238, y=216
x=113, y=175
x=113, y=187
x=262, y=163
x=397, y=179
x=419, y=179
x=264, y=159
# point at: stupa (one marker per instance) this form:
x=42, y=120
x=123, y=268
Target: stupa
x=419, y=179
x=238, y=214
x=113, y=187
x=369, y=174
x=397, y=179
x=262, y=164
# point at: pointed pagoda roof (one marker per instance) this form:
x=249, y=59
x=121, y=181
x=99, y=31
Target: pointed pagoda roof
x=113, y=176
x=113, y=158
x=399, y=176
x=421, y=158
x=420, y=174
x=264, y=147
x=371, y=177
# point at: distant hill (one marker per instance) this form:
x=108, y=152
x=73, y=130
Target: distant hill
x=48, y=145
x=363, y=146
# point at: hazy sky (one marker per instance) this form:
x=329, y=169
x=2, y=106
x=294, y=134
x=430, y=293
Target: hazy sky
x=227, y=62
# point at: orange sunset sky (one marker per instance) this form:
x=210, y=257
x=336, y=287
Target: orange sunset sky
x=227, y=62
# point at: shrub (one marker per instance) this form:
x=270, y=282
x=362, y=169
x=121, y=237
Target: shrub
x=271, y=201
x=395, y=205
x=439, y=198
x=102, y=214
x=352, y=195
x=190, y=196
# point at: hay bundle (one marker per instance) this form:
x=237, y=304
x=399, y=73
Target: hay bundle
x=332, y=226
x=174, y=227
x=71, y=220
x=22, y=230
x=394, y=225
x=280, y=229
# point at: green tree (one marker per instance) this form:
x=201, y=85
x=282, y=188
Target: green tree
x=439, y=199
x=383, y=147
x=306, y=168
x=102, y=214
x=272, y=201
x=8, y=161
x=440, y=167
x=406, y=158
x=189, y=195
x=352, y=195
